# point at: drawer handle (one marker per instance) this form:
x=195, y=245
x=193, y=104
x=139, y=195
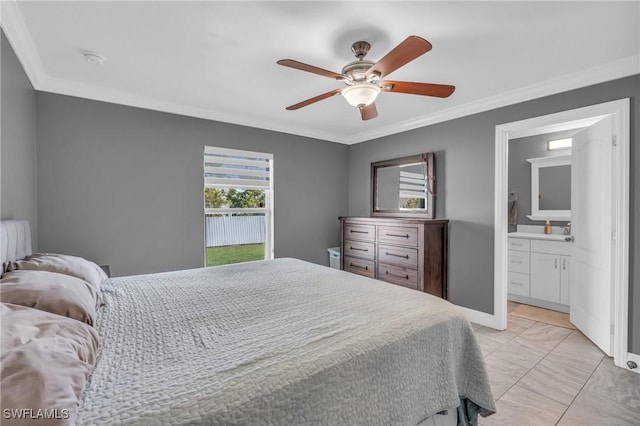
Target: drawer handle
x=353, y=265
x=515, y=283
x=404, y=277
x=406, y=256
x=399, y=236
x=516, y=261
x=358, y=232
x=516, y=244
x=358, y=249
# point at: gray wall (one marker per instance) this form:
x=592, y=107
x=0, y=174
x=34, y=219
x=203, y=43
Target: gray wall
x=464, y=151
x=17, y=142
x=520, y=170
x=123, y=186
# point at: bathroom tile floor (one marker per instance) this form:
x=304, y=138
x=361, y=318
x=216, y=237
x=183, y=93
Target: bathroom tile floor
x=542, y=374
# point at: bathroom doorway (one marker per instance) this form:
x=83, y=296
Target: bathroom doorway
x=617, y=173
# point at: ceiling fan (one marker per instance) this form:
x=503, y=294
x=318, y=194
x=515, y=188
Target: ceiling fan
x=363, y=77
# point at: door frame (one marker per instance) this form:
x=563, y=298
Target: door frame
x=568, y=120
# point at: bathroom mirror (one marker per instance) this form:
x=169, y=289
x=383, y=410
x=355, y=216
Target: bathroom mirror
x=403, y=187
x=550, y=188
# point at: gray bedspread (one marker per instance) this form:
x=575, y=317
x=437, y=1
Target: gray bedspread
x=278, y=342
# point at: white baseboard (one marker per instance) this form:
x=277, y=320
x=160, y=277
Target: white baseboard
x=481, y=318
x=632, y=357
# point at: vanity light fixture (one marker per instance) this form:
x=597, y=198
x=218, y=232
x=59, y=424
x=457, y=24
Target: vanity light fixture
x=559, y=144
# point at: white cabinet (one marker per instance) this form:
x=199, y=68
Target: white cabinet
x=545, y=277
x=519, y=266
x=539, y=272
x=550, y=277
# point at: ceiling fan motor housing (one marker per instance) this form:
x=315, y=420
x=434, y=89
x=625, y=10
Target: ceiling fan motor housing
x=356, y=71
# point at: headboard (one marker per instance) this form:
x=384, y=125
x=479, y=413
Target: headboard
x=15, y=240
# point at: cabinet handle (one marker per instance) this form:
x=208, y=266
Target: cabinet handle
x=358, y=249
x=358, y=232
x=396, y=235
x=406, y=256
x=404, y=277
x=353, y=265
x=556, y=263
x=564, y=264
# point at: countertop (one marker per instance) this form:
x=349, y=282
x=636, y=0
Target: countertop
x=537, y=236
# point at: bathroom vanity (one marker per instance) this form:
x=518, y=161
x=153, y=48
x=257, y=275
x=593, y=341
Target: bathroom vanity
x=539, y=266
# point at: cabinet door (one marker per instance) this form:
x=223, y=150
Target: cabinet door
x=564, y=279
x=545, y=277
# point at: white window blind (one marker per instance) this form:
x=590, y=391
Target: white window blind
x=412, y=185
x=231, y=168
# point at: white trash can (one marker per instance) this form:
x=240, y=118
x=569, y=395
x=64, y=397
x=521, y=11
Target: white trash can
x=334, y=257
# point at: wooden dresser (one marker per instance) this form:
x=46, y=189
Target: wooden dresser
x=408, y=252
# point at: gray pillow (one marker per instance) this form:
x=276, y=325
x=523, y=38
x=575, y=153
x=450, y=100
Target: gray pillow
x=65, y=264
x=51, y=292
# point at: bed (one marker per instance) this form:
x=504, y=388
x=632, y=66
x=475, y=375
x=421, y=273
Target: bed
x=278, y=342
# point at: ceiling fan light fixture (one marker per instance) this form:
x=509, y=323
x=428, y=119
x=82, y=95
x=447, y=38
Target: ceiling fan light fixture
x=361, y=94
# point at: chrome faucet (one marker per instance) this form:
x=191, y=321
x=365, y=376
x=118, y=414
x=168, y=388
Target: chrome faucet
x=566, y=230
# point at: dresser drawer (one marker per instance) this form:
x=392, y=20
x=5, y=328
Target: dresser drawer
x=407, y=236
x=519, y=261
x=360, y=266
x=402, y=256
x=521, y=244
x=354, y=231
x=360, y=249
x=519, y=284
x=405, y=277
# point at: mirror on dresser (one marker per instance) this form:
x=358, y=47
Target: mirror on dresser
x=404, y=187
x=550, y=188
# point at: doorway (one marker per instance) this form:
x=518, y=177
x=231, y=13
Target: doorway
x=618, y=222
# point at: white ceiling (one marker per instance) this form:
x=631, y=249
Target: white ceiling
x=217, y=60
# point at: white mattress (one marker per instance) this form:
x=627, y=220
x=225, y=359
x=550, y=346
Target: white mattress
x=278, y=342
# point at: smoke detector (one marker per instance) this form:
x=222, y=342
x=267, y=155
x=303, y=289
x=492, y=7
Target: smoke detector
x=94, y=58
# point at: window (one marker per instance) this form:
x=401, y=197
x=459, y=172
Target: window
x=238, y=205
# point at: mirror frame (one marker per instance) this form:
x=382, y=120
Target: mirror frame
x=429, y=211
x=536, y=165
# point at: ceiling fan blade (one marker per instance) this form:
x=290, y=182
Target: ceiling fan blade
x=309, y=68
x=402, y=54
x=424, y=89
x=314, y=100
x=368, y=112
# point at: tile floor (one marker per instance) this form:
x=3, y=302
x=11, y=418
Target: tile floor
x=542, y=374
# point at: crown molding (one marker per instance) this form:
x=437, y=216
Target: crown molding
x=618, y=69
x=105, y=94
x=12, y=22
x=14, y=28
